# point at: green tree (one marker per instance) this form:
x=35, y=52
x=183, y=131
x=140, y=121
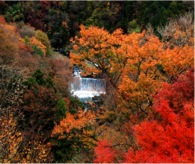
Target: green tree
x=61, y=109
x=14, y=13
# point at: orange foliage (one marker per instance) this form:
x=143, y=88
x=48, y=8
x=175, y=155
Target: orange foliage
x=33, y=41
x=95, y=52
x=38, y=43
x=177, y=60
x=77, y=126
x=77, y=121
x=135, y=64
x=141, y=78
x=24, y=46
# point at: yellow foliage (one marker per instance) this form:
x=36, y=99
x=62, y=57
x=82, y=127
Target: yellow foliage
x=10, y=139
x=15, y=148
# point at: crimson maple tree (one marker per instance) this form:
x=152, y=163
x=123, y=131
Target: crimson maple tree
x=170, y=137
x=104, y=152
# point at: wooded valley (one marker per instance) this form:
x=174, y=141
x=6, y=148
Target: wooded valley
x=144, y=52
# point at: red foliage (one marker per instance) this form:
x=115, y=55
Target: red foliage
x=170, y=138
x=177, y=95
x=104, y=152
x=2, y=19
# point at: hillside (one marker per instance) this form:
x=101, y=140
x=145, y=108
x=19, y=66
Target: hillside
x=144, y=52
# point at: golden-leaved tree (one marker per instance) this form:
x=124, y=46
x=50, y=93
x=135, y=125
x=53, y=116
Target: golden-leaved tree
x=135, y=64
x=75, y=133
x=141, y=77
x=95, y=52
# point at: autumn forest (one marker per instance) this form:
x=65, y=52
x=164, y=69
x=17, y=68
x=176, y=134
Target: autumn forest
x=142, y=50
